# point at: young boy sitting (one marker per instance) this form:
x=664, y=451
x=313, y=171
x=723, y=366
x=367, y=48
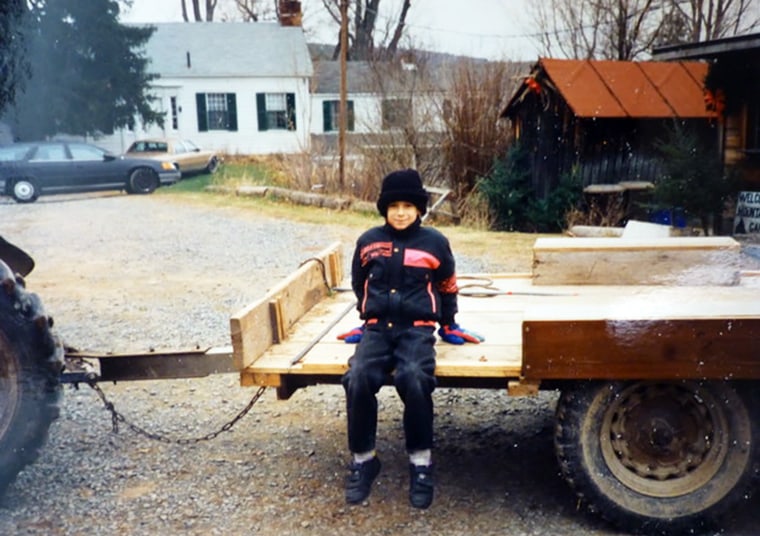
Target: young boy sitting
x=404, y=278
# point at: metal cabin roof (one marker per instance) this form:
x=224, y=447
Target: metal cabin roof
x=615, y=89
x=228, y=49
x=708, y=49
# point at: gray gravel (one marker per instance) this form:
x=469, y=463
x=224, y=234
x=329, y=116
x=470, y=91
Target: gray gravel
x=125, y=273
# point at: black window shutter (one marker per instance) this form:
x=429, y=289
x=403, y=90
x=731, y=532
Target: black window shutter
x=290, y=103
x=261, y=109
x=200, y=105
x=326, y=116
x=350, y=113
x=232, y=112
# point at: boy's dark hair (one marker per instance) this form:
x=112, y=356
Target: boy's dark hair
x=403, y=185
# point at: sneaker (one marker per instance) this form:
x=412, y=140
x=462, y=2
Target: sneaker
x=360, y=478
x=421, y=485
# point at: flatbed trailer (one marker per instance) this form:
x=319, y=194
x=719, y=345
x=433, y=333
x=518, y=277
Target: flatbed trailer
x=651, y=344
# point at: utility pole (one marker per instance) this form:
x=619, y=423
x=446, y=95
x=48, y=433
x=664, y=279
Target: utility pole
x=342, y=106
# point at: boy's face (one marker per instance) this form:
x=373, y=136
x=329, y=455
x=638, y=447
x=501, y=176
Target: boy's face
x=401, y=214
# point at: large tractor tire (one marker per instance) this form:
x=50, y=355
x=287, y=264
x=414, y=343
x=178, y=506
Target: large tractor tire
x=31, y=360
x=658, y=457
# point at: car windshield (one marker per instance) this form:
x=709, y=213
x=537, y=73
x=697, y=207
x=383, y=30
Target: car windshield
x=149, y=147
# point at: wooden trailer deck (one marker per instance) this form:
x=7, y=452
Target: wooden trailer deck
x=533, y=332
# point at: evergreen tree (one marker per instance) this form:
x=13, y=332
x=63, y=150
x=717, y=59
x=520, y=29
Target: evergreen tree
x=87, y=72
x=11, y=50
x=693, y=178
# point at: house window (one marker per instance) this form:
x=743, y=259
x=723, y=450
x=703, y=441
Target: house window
x=331, y=115
x=447, y=110
x=276, y=111
x=216, y=111
x=396, y=113
x=175, y=115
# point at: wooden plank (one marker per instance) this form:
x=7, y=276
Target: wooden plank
x=647, y=303
x=604, y=245
x=332, y=358
x=705, y=261
x=664, y=349
x=251, y=329
x=276, y=321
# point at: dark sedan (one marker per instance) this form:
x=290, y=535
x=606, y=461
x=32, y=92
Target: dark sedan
x=28, y=170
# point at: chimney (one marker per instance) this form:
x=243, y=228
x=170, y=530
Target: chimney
x=290, y=13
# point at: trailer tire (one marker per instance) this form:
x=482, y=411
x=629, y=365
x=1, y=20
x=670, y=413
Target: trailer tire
x=31, y=360
x=658, y=457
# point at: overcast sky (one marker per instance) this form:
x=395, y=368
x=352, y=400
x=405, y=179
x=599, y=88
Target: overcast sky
x=494, y=29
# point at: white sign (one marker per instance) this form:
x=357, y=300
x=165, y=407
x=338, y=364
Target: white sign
x=747, y=219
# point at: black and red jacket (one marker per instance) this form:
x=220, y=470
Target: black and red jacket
x=404, y=276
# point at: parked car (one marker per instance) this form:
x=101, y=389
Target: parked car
x=28, y=170
x=187, y=156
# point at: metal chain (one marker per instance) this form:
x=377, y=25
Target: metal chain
x=117, y=417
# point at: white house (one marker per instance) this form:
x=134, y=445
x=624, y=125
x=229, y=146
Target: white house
x=380, y=98
x=235, y=87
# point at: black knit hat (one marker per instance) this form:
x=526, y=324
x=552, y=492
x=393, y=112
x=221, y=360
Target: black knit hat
x=402, y=185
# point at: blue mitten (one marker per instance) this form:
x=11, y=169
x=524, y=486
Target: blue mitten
x=353, y=336
x=453, y=334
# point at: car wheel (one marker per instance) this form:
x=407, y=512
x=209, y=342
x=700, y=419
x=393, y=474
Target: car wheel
x=142, y=181
x=213, y=165
x=25, y=191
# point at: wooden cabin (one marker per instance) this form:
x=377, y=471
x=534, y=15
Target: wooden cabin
x=733, y=91
x=603, y=118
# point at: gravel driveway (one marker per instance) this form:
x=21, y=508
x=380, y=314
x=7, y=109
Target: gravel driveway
x=123, y=273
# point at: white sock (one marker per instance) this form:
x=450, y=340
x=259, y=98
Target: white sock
x=421, y=457
x=361, y=457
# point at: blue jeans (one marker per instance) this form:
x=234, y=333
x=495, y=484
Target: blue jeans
x=408, y=354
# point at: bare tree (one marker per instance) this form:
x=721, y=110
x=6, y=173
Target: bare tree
x=209, y=5
x=366, y=40
x=256, y=10
x=628, y=29
x=705, y=20
x=475, y=137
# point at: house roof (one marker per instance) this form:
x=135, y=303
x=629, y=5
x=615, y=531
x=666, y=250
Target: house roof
x=228, y=49
x=615, y=89
x=708, y=49
x=430, y=72
x=359, y=77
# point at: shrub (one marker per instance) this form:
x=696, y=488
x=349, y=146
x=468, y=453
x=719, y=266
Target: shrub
x=693, y=177
x=515, y=205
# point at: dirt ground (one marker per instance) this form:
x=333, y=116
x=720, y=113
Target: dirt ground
x=125, y=272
